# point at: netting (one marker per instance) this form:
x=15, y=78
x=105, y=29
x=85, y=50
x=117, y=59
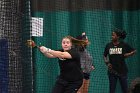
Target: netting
x=24, y=69
x=15, y=62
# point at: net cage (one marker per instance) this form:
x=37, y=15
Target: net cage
x=14, y=60
x=26, y=70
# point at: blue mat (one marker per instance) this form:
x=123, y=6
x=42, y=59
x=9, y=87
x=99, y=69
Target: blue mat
x=3, y=66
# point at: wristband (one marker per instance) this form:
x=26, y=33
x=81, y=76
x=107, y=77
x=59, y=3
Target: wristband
x=48, y=49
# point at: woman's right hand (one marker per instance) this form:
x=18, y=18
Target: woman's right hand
x=92, y=67
x=109, y=65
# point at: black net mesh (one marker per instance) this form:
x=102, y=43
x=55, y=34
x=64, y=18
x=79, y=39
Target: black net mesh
x=13, y=15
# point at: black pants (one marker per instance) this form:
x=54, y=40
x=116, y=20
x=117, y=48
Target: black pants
x=113, y=81
x=62, y=86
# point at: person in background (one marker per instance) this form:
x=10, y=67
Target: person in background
x=135, y=86
x=71, y=75
x=86, y=63
x=115, y=54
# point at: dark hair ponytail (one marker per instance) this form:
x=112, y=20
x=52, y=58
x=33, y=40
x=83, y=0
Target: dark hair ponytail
x=121, y=33
x=82, y=47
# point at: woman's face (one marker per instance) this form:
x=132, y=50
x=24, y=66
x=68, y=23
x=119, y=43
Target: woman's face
x=66, y=44
x=114, y=36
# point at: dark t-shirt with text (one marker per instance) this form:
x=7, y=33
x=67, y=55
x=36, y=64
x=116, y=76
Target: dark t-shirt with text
x=116, y=56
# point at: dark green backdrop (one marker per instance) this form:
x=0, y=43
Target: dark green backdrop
x=97, y=18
